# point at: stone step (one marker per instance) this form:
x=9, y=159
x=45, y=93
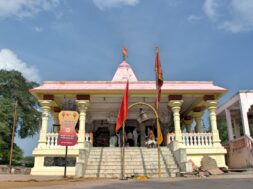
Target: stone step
x=130, y=155
x=106, y=162
x=93, y=162
x=127, y=171
x=115, y=167
x=128, y=150
x=137, y=159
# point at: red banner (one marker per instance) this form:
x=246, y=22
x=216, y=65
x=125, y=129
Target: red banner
x=67, y=134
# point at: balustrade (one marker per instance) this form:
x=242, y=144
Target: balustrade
x=193, y=139
x=53, y=137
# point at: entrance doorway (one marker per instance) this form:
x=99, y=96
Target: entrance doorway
x=101, y=137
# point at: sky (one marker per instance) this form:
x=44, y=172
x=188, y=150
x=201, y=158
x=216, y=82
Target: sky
x=81, y=40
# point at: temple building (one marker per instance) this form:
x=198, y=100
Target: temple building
x=237, y=112
x=180, y=113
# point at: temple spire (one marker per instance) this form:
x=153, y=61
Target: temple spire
x=124, y=71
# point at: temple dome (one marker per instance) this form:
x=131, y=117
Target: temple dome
x=124, y=73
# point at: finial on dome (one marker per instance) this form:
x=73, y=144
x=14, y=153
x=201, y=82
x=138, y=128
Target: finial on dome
x=124, y=53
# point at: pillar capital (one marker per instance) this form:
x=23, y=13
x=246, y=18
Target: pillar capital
x=82, y=105
x=175, y=104
x=211, y=104
x=46, y=105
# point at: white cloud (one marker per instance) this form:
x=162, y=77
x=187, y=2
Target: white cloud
x=237, y=15
x=10, y=61
x=210, y=9
x=193, y=18
x=106, y=4
x=25, y=8
x=242, y=20
x=38, y=29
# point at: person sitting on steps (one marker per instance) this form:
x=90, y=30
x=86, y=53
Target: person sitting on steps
x=151, y=139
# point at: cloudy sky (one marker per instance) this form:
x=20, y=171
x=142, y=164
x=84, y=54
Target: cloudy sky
x=82, y=39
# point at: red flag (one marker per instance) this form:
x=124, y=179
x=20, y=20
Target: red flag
x=159, y=78
x=123, y=111
x=159, y=83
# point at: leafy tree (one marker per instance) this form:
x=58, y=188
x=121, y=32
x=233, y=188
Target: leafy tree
x=28, y=161
x=223, y=130
x=15, y=88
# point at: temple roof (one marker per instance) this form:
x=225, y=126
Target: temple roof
x=118, y=84
x=124, y=72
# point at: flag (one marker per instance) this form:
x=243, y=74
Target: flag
x=159, y=83
x=159, y=133
x=159, y=78
x=123, y=111
x=124, y=53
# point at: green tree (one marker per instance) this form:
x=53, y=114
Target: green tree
x=223, y=130
x=14, y=87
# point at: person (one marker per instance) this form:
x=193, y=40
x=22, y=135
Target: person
x=151, y=135
x=151, y=138
x=130, y=138
x=135, y=134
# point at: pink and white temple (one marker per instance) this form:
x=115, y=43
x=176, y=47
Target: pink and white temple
x=180, y=112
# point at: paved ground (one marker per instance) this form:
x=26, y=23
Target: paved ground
x=219, y=182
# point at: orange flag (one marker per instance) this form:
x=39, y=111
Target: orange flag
x=159, y=83
x=159, y=78
x=123, y=111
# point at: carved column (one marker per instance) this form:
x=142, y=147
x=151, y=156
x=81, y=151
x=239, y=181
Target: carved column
x=175, y=107
x=188, y=123
x=197, y=118
x=46, y=106
x=212, y=106
x=82, y=106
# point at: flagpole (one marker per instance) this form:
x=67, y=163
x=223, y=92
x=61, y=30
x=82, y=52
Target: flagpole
x=123, y=153
x=158, y=149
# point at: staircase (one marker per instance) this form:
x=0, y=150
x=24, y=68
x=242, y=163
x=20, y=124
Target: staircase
x=106, y=162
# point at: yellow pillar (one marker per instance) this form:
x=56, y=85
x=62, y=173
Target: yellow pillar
x=82, y=106
x=56, y=125
x=188, y=124
x=212, y=106
x=175, y=107
x=45, y=105
x=197, y=117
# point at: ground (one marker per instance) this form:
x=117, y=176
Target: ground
x=219, y=182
